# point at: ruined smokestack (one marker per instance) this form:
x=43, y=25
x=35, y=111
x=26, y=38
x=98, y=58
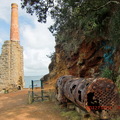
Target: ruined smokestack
x=14, y=30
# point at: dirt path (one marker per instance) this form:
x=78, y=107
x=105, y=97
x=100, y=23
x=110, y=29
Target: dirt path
x=13, y=106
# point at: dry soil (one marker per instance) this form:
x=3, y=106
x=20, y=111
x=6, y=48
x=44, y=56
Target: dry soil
x=14, y=106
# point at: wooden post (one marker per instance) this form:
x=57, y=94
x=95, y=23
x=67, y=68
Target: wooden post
x=32, y=91
x=42, y=90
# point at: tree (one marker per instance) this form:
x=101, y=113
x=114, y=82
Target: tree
x=70, y=15
x=39, y=7
x=61, y=10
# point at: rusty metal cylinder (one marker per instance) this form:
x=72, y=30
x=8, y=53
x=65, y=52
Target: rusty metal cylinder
x=96, y=95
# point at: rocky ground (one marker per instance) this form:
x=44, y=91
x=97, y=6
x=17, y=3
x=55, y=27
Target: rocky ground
x=14, y=106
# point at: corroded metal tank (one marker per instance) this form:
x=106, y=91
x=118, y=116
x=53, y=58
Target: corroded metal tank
x=98, y=96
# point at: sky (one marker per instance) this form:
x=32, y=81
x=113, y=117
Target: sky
x=35, y=38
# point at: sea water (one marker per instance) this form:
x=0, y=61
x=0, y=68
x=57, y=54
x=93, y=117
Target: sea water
x=28, y=81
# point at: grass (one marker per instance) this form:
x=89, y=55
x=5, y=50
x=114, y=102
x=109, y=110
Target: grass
x=68, y=114
x=71, y=115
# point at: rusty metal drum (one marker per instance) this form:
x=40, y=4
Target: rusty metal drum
x=98, y=96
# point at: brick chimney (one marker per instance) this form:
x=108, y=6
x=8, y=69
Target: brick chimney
x=14, y=30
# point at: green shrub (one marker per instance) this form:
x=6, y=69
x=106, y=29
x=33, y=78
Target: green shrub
x=114, y=29
x=108, y=73
x=118, y=80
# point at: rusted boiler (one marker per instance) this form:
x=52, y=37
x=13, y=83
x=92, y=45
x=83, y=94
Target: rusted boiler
x=98, y=96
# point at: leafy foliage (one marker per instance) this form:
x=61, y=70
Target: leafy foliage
x=51, y=56
x=39, y=7
x=64, y=12
x=118, y=80
x=115, y=28
x=85, y=16
x=108, y=73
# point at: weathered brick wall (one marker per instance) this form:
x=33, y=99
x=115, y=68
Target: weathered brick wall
x=11, y=65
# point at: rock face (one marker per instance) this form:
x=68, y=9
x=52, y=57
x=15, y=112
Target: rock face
x=11, y=58
x=82, y=63
x=86, y=62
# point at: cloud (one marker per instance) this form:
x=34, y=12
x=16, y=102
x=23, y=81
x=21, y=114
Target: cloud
x=0, y=40
x=36, y=61
x=5, y=8
x=35, y=38
x=38, y=42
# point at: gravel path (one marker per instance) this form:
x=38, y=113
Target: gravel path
x=13, y=106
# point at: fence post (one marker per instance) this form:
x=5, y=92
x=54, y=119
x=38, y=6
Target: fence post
x=42, y=90
x=32, y=91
